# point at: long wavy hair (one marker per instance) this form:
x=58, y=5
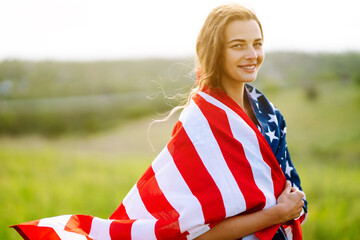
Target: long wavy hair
x=210, y=42
x=209, y=48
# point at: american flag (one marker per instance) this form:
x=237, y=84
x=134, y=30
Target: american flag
x=217, y=164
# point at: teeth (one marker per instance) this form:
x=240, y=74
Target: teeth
x=249, y=67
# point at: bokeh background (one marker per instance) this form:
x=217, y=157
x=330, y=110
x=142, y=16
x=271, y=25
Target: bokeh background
x=81, y=81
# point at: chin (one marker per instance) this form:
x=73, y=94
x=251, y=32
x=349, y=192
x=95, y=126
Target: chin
x=248, y=79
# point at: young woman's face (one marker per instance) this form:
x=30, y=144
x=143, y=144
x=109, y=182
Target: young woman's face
x=243, y=52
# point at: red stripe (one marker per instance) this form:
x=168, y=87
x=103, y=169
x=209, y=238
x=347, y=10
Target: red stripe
x=296, y=230
x=121, y=229
x=229, y=102
x=195, y=175
x=80, y=224
x=169, y=230
x=277, y=174
x=302, y=217
x=233, y=153
x=120, y=213
x=267, y=233
x=22, y=234
x=158, y=206
x=31, y=231
x=177, y=126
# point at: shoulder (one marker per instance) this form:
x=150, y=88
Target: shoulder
x=264, y=107
x=258, y=97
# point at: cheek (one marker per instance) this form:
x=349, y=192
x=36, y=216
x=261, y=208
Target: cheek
x=230, y=57
x=260, y=56
x=227, y=59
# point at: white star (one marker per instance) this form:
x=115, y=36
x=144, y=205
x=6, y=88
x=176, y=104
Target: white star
x=271, y=135
x=283, y=131
x=288, y=169
x=273, y=107
x=254, y=95
x=273, y=118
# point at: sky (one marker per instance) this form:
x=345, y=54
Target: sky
x=117, y=29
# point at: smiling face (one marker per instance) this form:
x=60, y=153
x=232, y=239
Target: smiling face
x=242, y=53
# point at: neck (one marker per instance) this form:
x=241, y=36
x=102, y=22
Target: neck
x=236, y=92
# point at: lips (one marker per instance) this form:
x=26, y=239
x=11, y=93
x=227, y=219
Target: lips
x=248, y=67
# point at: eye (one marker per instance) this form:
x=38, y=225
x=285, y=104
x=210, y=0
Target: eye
x=238, y=45
x=258, y=44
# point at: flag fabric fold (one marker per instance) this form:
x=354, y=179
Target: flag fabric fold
x=217, y=164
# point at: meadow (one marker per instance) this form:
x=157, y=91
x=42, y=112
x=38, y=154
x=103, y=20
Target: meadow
x=77, y=173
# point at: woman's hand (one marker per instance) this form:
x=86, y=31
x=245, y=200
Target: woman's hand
x=289, y=203
x=289, y=206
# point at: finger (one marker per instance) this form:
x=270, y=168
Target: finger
x=299, y=195
x=303, y=194
x=288, y=186
x=297, y=214
x=300, y=212
x=295, y=189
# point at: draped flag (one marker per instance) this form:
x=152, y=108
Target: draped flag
x=216, y=165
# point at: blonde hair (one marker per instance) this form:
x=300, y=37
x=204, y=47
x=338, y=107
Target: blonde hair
x=210, y=41
x=209, y=48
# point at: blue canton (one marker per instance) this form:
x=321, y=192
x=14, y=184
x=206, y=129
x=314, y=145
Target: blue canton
x=273, y=127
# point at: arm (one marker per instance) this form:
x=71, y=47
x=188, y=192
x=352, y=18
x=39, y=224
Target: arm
x=288, y=207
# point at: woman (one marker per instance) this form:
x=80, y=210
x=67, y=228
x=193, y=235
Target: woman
x=223, y=173
x=235, y=35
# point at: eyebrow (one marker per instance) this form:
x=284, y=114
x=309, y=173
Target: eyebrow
x=242, y=40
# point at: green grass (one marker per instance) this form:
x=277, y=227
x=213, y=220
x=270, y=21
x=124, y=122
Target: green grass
x=46, y=182
x=91, y=175
x=333, y=193
x=324, y=141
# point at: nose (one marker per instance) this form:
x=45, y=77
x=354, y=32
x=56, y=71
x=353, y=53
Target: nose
x=251, y=53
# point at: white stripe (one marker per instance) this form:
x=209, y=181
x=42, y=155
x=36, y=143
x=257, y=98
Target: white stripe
x=260, y=169
x=58, y=224
x=134, y=205
x=178, y=193
x=289, y=234
x=197, y=232
x=247, y=137
x=305, y=217
x=200, y=134
x=100, y=229
x=143, y=229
